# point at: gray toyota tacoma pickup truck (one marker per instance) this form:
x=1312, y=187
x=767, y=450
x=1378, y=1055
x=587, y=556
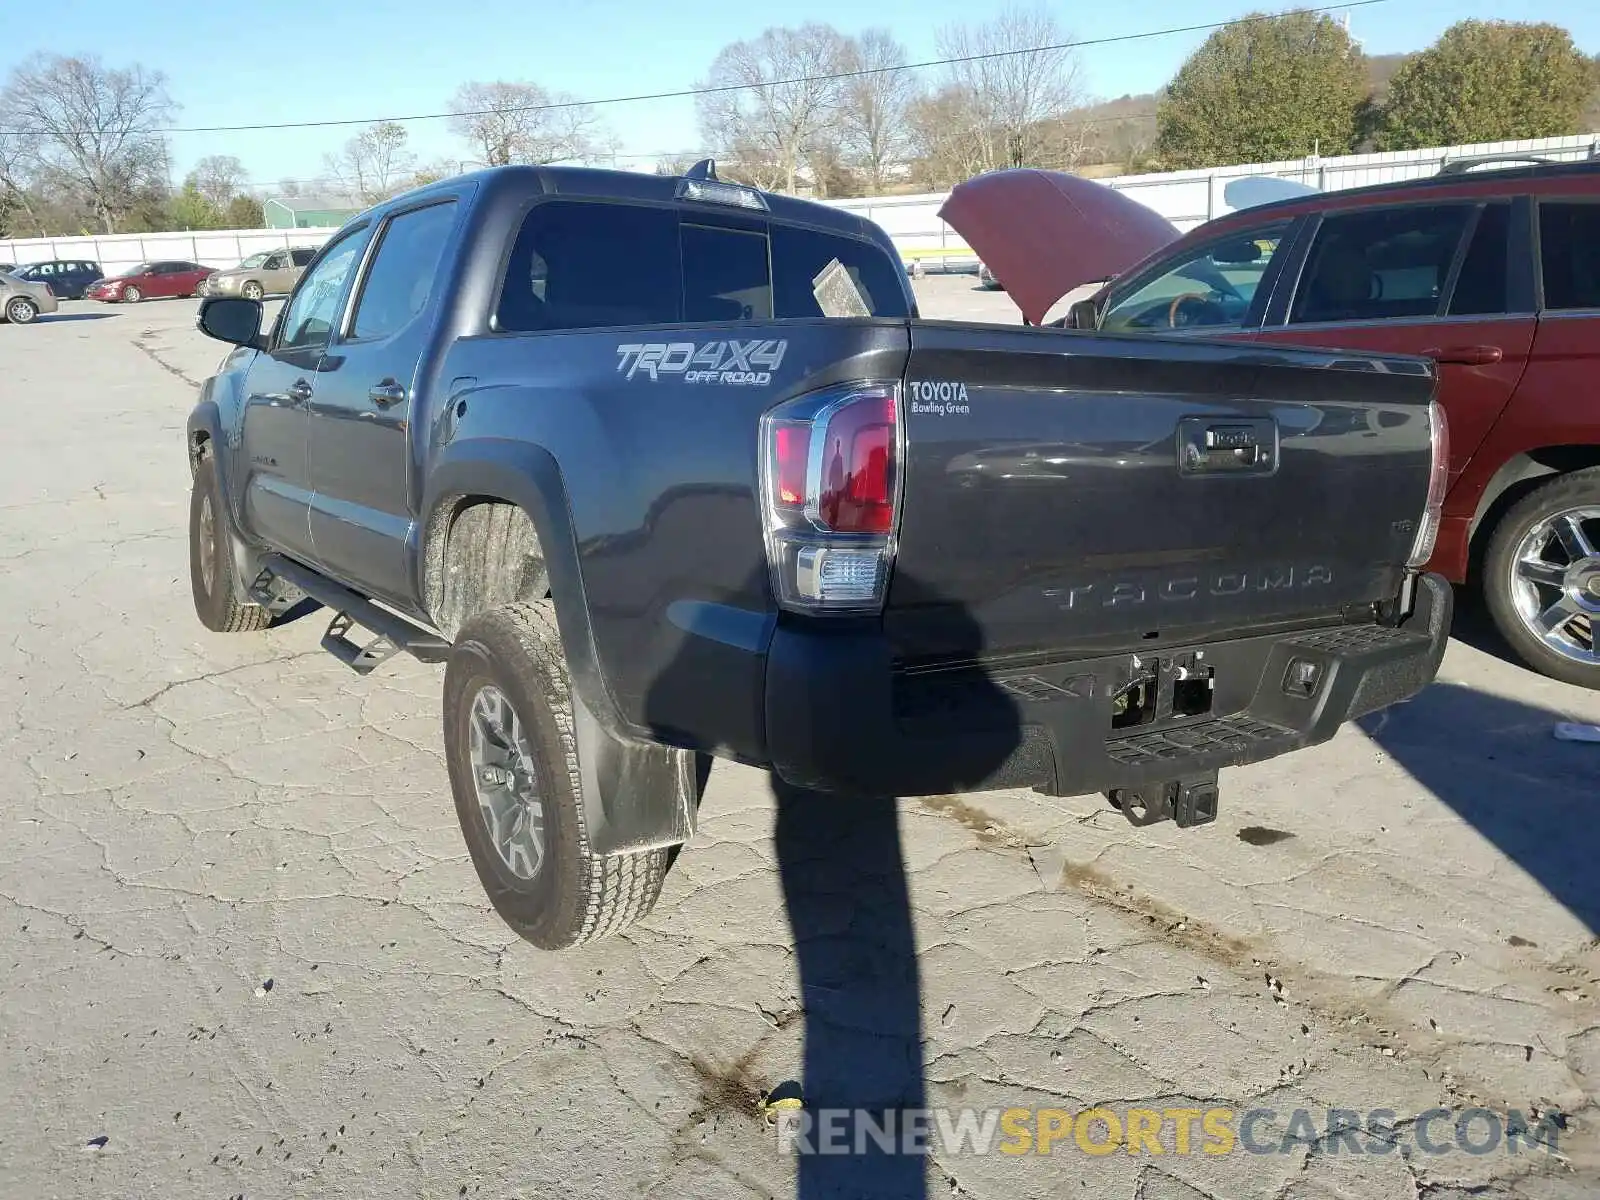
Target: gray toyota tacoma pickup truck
x=668, y=469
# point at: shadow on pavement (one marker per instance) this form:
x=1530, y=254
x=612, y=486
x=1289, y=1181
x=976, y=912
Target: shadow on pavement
x=60, y=318
x=863, y=1130
x=1497, y=763
x=1473, y=626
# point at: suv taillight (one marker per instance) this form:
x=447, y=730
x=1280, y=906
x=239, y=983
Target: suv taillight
x=830, y=492
x=1438, y=480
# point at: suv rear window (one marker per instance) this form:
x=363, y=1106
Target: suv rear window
x=582, y=264
x=1569, y=253
x=1383, y=264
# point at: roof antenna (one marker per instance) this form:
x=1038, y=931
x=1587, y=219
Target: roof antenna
x=706, y=169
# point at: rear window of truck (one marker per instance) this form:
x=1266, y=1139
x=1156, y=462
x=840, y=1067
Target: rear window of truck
x=594, y=265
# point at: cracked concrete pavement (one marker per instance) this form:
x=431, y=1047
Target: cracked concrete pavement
x=242, y=942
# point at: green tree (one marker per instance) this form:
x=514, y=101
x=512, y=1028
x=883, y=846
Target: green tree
x=1487, y=81
x=188, y=209
x=244, y=212
x=1264, y=89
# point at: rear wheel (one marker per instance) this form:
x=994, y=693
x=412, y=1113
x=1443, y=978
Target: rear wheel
x=21, y=311
x=511, y=749
x=251, y=290
x=1541, y=578
x=211, y=576
x=132, y=294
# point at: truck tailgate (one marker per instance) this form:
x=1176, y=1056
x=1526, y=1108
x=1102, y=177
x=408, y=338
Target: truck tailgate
x=1070, y=492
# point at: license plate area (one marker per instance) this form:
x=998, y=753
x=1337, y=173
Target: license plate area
x=1163, y=688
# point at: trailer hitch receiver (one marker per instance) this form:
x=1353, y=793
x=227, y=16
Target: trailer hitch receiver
x=1186, y=802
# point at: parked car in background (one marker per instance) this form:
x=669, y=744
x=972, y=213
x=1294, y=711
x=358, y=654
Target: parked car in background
x=68, y=278
x=150, y=280
x=21, y=300
x=268, y=273
x=1492, y=273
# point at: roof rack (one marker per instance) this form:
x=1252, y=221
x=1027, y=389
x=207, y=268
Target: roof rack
x=1460, y=166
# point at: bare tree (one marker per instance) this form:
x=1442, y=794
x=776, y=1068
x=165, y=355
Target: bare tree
x=1011, y=85
x=219, y=178
x=18, y=153
x=875, y=105
x=949, y=140
x=523, y=123
x=96, y=128
x=375, y=164
x=787, y=97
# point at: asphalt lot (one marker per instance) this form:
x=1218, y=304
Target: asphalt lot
x=243, y=944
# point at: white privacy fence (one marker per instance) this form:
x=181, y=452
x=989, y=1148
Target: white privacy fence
x=117, y=252
x=1186, y=198
x=1190, y=198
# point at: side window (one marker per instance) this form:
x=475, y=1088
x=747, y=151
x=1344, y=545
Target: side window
x=1388, y=264
x=725, y=275
x=589, y=265
x=1569, y=252
x=1213, y=286
x=1481, y=287
x=403, y=271
x=301, y=257
x=799, y=256
x=308, y=319
x=274, y=262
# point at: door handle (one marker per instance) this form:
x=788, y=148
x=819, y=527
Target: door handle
x=386, y=393
x=299, y=391
x=1470, y=356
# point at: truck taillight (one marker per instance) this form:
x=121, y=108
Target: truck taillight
x=830, y=478
x=1438, y=482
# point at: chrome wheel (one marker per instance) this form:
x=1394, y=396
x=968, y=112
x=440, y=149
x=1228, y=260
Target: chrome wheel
x=507, y=785
x=1555, y=583
x=208, y=546
x=251, y=291
x=20, y=311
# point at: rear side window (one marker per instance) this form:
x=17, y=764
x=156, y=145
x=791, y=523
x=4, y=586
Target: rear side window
x=799, y=256
x=589, y=265
x=1481, y=286
x=403, y=272
x=301, y=257
x=726, y=276
x=1380, y=265
x=1569, y=253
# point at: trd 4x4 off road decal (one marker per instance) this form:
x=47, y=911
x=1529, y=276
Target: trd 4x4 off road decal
x=749, y=363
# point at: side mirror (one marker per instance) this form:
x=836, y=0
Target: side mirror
x=1083, y=315
x=231, y=319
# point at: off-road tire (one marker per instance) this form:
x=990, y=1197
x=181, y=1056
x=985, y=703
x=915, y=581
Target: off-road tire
x=576, y=896
x=21, y=311
x=1577, y=489
x=251, y=290
x=215, y=604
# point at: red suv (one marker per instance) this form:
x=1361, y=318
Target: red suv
x=1494, y=274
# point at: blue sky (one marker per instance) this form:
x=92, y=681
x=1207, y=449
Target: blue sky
x=366, y=58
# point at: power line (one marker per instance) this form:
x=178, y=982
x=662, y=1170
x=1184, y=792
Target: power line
x=742, y=87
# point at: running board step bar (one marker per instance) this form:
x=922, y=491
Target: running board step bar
x=394, y=633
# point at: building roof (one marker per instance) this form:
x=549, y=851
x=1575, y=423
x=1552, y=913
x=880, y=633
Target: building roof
x=316, y=203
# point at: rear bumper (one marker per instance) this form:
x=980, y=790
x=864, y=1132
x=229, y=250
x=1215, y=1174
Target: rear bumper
x=840, y=718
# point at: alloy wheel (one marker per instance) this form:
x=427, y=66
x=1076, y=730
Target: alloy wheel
x=507, y=784
x=1555, y=583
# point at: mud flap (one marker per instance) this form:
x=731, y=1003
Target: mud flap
x=636, y=795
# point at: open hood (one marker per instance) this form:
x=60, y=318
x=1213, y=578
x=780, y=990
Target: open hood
x=1044, y=233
